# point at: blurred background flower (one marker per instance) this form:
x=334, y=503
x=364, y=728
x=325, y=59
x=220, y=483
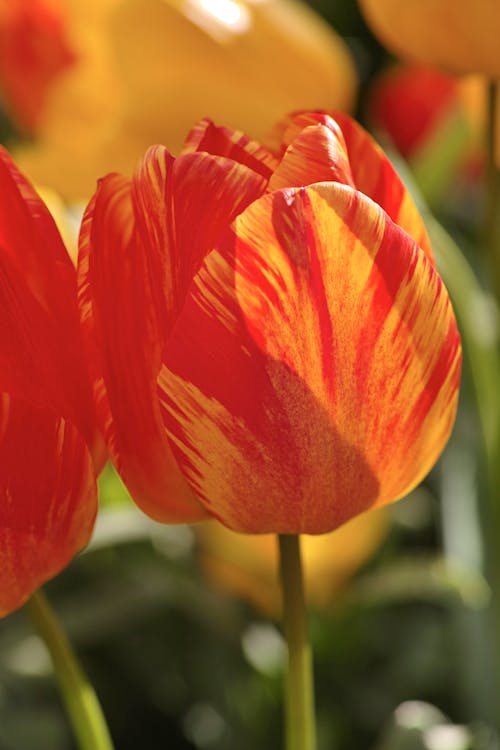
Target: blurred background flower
x=246, y=565
x=457, y=37
x=436, y=121
x=241, y=61
x=34, y=51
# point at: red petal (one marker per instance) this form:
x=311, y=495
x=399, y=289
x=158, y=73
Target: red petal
x=41, y=349
x=118, y=316
x=372, y=172
x=181, y=207
x=48, y=498
x=141, y=244
x=233, y=144
x=313, y=371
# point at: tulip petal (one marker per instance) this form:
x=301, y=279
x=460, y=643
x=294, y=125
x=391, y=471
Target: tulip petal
x=372, y=172
x=313, y=372
x=181, y=207
x=318, y=154
x=119, y=332
x=41, y=350
x=48, y=498
x=145, y=240
x=233, y=144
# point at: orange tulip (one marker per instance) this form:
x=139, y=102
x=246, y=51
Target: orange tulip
x=34, y=51
x=148, y=69
x=458, y=37
x=277, y=353
x=246, y=565
x=47, y=425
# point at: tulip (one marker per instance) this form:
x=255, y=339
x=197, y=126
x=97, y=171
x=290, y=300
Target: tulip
x=414, y=105
x=147, y=69
x=34, y=52
x=269, y=340
x=49, y=445
x=245, y=565
x=457, y=37
x=436, y=121
x=410, y=102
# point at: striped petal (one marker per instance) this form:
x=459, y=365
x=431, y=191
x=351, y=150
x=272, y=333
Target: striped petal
x=120, y=323
x=48, y=498
x=372, y=172
x=41, y=349
x=233, y=144
x=313, y=372
x=141, y=244
x=317, y=154
x=181, y=207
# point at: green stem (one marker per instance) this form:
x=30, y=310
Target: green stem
x=85, y=713
x=492, y=211
x=300, y=727
x=491, y=512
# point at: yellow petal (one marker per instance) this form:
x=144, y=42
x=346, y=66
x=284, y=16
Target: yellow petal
x=461, y=37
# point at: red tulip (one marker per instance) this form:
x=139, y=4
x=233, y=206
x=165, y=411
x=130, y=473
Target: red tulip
x=274, y=352
x=34, y=51
x=47, y=424
x=433, y=117
x=410, y=102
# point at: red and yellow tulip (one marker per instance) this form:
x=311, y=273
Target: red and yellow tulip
x=147, y=69
x=457, y=37
x=269, y=339
x=48, y=436
x=34, y=51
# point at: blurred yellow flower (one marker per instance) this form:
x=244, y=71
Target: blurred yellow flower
x=247, y=565
x=148, y=69
x=460, y=37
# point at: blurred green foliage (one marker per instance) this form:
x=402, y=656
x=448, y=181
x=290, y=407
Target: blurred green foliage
x=178, y=664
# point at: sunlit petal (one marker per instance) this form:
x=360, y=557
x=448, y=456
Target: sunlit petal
x=330, y=365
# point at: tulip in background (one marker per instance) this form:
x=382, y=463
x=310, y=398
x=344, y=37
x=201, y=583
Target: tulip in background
x=409, y=101
x=459, y=37
x=34, y=52
x=243, y=61
x=436, y=121
x=245, y=565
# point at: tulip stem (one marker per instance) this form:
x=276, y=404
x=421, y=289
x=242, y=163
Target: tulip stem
x=492, y=207
x=300, y=727
x=82, y=704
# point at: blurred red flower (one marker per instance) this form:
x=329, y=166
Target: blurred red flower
x=410, y=101
x=34, y=50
